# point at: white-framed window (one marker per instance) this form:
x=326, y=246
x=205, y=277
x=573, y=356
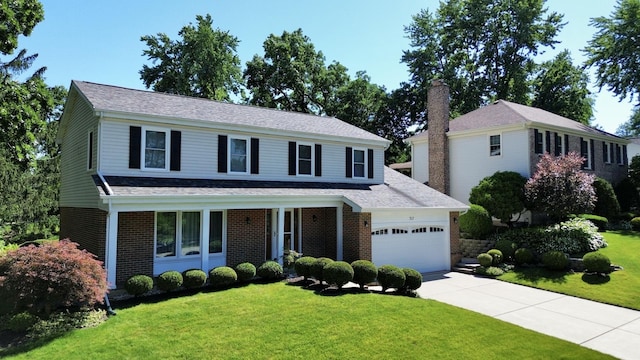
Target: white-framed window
x=155, y=146
x=177, y=233
x=559, y=145
x=359, y=163
x=585, y=152
x=217, y=232
x=606, y=155
x=495, y=148
x=90, y=151
x=539, y=141
x=305, y=156
x=239, y=153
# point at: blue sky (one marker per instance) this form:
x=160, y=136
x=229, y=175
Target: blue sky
x=99, y=41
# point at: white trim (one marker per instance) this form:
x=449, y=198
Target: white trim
x=178, y=237
x=339, y=234
x=111, y=247
x=313, y=160
x=247, y=162
x=143, y=147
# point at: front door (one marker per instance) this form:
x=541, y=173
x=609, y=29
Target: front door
x=290, y=233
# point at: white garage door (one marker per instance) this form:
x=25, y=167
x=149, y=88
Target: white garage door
x=424, y=248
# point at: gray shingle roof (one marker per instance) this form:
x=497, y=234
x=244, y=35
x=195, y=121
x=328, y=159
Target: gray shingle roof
x=398, y=191
x=505, y=113
x=154, y=104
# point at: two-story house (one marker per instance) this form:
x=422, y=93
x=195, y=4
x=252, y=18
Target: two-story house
x=453, y=156
x=153, y=182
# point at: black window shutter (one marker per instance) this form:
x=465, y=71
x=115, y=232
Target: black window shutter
x=557, y=148
x=135, y=137
x=566, y=144
x=255, y=156
x=90, y=155
x=348, y=162
x=292, y=157
x=222, y=153
x=624, y=154
x=605, y=152
x=547, y=135
x=583, y=150
x=318, y=160
x=536, y=144
x=592, y=158
x=370, y=163
x=176, y=146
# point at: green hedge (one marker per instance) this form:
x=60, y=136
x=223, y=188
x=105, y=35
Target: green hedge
x=364, y=272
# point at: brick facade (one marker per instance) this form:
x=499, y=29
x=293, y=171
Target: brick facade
x=438, y=122
x=246, y=242
x=85, y=226
x=454, y=238
x=319, y=235
x=356, y=236
x=135, y=244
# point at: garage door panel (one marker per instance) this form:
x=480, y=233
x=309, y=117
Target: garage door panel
x=423, y=248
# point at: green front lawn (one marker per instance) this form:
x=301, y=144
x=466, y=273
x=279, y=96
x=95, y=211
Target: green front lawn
x=620, y=288
x=277, y=321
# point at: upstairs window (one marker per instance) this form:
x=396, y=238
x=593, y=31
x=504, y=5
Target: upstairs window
x=305, y=159
x=155, y=149
x=238, y=155
x=494, y=145
x=359, y=163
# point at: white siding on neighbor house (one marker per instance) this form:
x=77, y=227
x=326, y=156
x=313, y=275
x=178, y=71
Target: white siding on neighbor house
x=469, y=159
x=77, y=188
x=199, y=156
x=633, y=149
x=420, y=161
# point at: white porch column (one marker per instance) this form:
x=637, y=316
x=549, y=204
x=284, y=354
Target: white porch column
x=204, y=244
x=280, y=248
x=111, y=248
x=339, y=240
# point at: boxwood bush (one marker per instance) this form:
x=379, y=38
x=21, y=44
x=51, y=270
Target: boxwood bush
x=222, y=276
x=489, y=271
x=194, y=278
x=390, y=277
x=523, y=256
x=506, y=247
x=476, y=222
x=496, y=256
x=555, y=260
x=270, y=270
x=303, y=266
x=413, y=279
x=245, y=271
x=635, y=223
x=596, y=262
x=364, y=272
x=337, y=273
x=485, y=259
x=169, y=280
x=138, y=285
x=600, y=222
x=318, y=267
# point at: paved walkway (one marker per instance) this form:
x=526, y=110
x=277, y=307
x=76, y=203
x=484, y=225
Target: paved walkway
x=606, y=328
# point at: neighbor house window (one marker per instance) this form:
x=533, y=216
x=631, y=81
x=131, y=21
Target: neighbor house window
x=539, y=141
x=177, y=233
x=238, y=153
x=305, y=159
x=618, y=155
x=494, y=145
x=559, y=147
x=586, y=153
x=90, y=151
x=215, y=232
x=359, y=163
x=606, y=157
x=154, y=143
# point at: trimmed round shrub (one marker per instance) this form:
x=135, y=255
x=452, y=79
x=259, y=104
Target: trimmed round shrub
x=138, y=284
x=337, y=273
x=169, y=280
x=390, y=277
x=506, y=247
x=413, y=279
x=606, y=203
x=222, y=276
x=364, y=272
x=21, y=322
x=496, y=255
x=476, y=222
x=270, y=270
x=523, y=256
x=489, y=271
x=555, y=260
x=194, y=278
x=318, y=267
x=303, y=266
x=245, y=271
x=635, y=223
x=485, y=259
x=596, y=262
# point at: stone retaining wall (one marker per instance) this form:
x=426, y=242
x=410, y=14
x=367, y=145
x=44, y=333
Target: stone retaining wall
x=471, y=248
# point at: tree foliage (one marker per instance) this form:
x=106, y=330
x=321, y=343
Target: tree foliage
x=483, y=49
x=17, y=17
x=613, y=50
x=559, y=188
x=562, y=88
x=606, y=200
x=501, y=194
x=203, y=63
x=631, y=127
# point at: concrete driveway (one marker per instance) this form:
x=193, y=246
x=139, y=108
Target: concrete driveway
x=606, y=328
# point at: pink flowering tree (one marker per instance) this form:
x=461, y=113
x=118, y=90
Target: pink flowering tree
x=559, y=188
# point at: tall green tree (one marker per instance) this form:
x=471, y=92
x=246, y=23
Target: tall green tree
x=203, y=63
x=17, y=17
x=614, y=50
x=562, y=88
x=483, y=49
x=631, y=127
x=293, y=76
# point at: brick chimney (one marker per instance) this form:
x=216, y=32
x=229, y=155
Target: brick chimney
x=438, y=126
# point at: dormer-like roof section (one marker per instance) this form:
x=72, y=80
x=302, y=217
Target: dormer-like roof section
x=131, y=103
x=504, y=113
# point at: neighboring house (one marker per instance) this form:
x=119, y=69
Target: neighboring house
x=152, y=182
x=453, y=156
x=633, y=149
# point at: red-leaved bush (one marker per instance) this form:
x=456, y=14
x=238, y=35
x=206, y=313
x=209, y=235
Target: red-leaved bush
x=559, y=187
x=53, y=275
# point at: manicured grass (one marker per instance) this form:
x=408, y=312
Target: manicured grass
x=278, y=321
x=620, y=288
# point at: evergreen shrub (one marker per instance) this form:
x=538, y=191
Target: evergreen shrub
x=222, y=276
x=476, y=222
x=596, y=262
x=413, y=279
x=496, y=256
x=337, y=273
x=194, y=278
x=303, y=266
x=245, y=271
x=318, y=267
x=555, y=260
x=364, y=272
x=169, y=280
x=270, y=270
x=138, y=285
x=523, y=256
x=485, y=259
x=390, y=276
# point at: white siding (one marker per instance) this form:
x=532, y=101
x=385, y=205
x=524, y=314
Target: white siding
x=469, y=160
x=77, y=188
x=200, y=157
x=420, y=161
